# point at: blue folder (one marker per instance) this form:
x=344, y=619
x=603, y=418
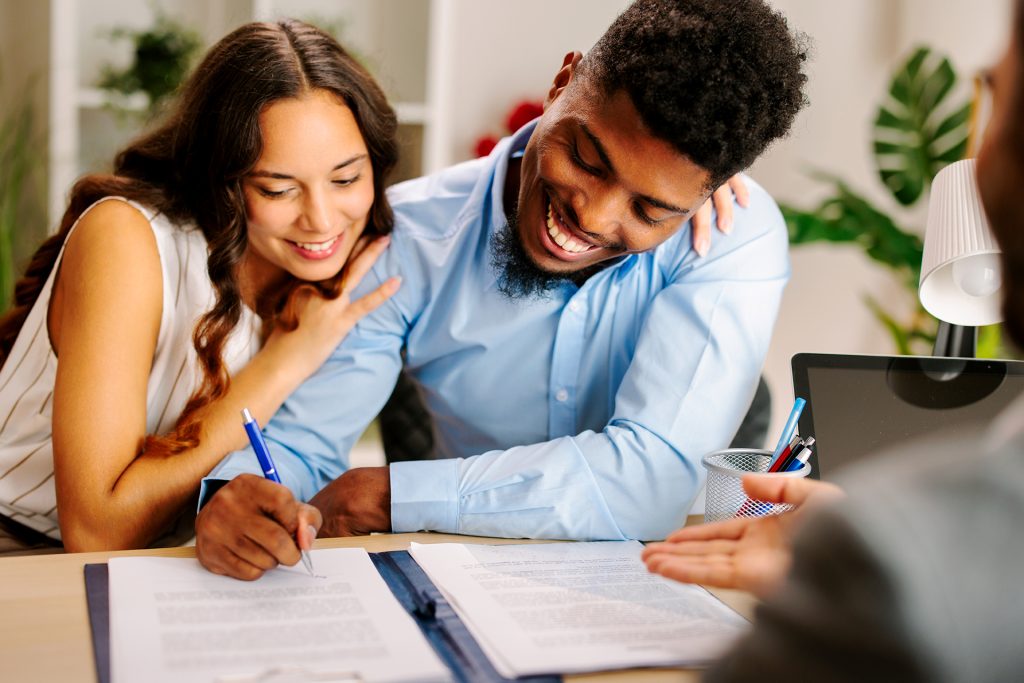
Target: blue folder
x=414, y=590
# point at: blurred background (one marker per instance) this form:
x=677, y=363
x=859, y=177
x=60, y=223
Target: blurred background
x=78, y=78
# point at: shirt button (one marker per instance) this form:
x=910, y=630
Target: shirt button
x=574, y=306
x=561, y=395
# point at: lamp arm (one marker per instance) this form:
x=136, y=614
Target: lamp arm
x=955, y=341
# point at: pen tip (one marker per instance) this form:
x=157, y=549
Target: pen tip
x=246, y=415
x=308, y=563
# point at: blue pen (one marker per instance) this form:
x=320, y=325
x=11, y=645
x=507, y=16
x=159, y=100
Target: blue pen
x=789, y=430
x=259, y=446
x=800, y=460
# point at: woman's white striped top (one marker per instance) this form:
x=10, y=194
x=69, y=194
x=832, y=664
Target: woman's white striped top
x=27, y=493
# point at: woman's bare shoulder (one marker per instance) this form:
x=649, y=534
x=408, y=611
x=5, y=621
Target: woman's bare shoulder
x=110, y=272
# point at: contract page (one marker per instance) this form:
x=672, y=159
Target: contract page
x=576, y=607
x=171, y=620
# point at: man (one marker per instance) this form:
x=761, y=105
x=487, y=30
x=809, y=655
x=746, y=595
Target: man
x=916, y=575
x=576, y=354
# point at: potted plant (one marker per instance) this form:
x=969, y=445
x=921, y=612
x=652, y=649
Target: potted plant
x=163, y=55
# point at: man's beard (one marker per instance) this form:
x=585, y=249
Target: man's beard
x=518, y=276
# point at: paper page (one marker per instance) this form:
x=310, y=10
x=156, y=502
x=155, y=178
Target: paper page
x=576, y=607
x=171, y=620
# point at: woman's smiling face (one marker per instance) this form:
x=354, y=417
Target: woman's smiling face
x=308, y=196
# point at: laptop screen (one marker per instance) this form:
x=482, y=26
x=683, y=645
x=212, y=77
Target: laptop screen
x=861, y=405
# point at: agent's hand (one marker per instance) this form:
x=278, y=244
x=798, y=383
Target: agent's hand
x=356, y=503
x=722, y=201
x=311, y=325
x=746, y=553
x=252, y=525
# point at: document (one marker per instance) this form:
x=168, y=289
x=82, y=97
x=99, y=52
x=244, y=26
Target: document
x=171, y=620
x=576, y=607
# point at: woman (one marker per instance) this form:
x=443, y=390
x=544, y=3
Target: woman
x=173, y=296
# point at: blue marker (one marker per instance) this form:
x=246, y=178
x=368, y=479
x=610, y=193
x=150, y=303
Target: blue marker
x=789, y=430
x=259, y=446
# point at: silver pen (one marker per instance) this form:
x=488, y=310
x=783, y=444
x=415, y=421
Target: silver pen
x=306, y=561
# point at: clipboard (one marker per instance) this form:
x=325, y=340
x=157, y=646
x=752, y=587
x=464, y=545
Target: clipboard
x=417, y=594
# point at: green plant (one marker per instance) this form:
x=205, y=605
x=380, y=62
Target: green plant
x=163, y=56
x=18, y=153
x=918, y=130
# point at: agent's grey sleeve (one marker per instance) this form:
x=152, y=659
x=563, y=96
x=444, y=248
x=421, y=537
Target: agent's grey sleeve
x=835, y=619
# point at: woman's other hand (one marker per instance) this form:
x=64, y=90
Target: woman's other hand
x=721, y=200
x=322, y=323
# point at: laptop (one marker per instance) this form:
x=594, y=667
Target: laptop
x=861, y=405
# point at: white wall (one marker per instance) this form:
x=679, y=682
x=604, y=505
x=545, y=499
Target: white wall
x=23, y=69
x=503, y=52
x=23, y=57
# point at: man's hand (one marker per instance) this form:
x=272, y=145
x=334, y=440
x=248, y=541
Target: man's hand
x=252, y=525
x=356, y=503
x=722, y=200
x=748, y=553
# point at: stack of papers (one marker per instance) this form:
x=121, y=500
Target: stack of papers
x=577, y=607
x=532, y=609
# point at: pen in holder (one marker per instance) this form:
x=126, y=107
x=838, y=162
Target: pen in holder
x=725, y=496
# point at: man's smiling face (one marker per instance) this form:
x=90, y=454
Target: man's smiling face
x=595, y=184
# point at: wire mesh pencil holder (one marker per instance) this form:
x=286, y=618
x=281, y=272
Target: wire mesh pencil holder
x=725, y=497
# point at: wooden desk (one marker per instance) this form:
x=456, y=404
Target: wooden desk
x=44, y=623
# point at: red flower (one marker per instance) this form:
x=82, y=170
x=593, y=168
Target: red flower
x=484, y=145
x=519, y=116
x=522, y=114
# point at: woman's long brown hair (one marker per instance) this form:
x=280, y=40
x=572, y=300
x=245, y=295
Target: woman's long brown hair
x=191, y=168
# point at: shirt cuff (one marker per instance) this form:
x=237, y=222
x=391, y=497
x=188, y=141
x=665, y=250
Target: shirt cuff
x=425, y=496
x=228, y=468
x=208, y=489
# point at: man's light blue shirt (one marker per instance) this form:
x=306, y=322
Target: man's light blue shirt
x=581, y=415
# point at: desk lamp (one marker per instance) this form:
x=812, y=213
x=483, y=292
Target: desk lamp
x=960, y=274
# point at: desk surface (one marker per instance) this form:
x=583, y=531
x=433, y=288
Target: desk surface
x=44, y=624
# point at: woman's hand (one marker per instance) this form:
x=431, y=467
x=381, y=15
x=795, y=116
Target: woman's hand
x=722, y=201
x=323, y=322
x=746, y=553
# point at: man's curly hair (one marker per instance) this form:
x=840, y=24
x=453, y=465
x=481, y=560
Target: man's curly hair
x=717, y=79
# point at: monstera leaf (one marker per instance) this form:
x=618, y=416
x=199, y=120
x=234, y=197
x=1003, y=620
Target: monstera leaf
x=919, y=130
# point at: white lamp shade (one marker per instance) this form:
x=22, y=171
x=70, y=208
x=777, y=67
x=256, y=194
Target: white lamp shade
x=960, y=276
